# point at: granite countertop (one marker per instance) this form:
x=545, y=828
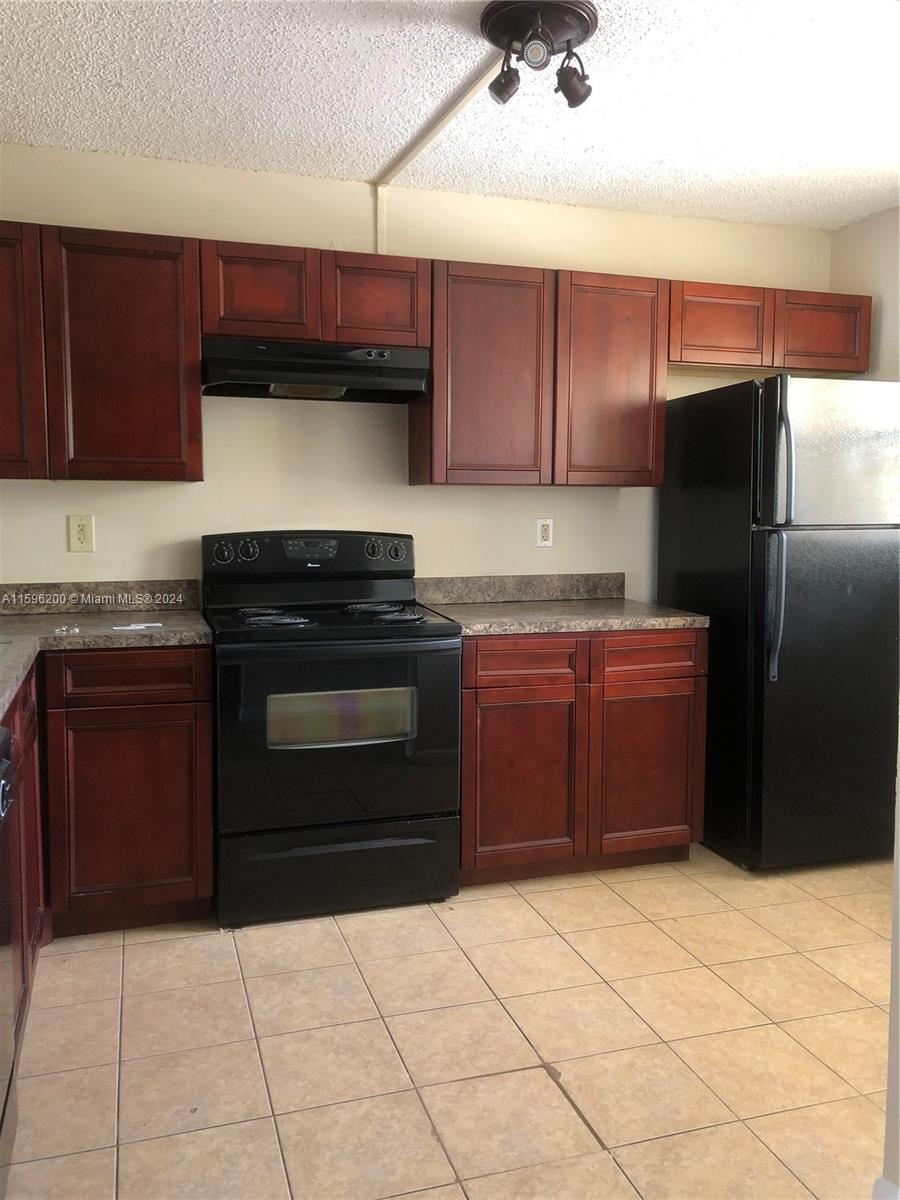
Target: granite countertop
x=22, y=637
x=568, y=616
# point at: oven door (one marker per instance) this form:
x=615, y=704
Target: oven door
x=336, y=733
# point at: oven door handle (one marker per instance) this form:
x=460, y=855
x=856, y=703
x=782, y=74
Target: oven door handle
x=280, y=652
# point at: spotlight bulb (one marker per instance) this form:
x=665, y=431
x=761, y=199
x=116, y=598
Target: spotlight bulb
x=537, y=50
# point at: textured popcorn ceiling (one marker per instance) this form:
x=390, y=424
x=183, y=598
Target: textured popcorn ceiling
x=748, y=110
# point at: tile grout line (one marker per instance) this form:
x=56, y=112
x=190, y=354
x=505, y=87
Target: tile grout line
x=119, y=1068
x=262, y=1067
x=415, y=1088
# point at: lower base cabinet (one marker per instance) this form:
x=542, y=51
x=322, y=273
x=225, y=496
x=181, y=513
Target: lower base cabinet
x=525, y=772
x=129, y=785
x=26, y=872
x=581, y=750
x=647, y=742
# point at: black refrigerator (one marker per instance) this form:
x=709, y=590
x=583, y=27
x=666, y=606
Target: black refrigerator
x=779, y=519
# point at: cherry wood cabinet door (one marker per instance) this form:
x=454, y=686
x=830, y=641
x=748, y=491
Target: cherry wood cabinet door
x=646, y=764
x=822, y=331
x=524, y=783
x=28, y=791
x=490, y=419
x=130, y=806
x=23, y=425
x=376, y=298
x=261, y=291
x=610, y=379
x=122, y=323
x=721, y=323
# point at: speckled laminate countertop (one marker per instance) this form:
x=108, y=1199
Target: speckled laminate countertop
x=568, y=616
x=23, y=637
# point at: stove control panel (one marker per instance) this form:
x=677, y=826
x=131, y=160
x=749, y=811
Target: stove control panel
x=303, y=553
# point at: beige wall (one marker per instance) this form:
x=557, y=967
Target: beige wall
x=276, y=464
x=864, y=259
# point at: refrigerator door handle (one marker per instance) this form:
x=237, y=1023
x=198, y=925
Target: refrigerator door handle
x=790, y=456
x=777, y=635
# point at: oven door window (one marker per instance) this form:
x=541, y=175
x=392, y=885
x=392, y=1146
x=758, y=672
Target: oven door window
x=317, y=720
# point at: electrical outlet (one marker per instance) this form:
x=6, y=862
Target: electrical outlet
x=81, y=534
x=545, y=531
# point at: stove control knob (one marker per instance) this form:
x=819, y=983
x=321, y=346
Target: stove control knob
x=223, y=553
x=397, y=551
x=374, y=549
x=248, y=550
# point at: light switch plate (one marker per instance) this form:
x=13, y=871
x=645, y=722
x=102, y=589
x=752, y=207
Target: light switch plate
x=545, y=531
x=81, y=534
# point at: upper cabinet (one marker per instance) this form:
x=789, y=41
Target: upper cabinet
x=530, y=391
x=23, y=429
x=261, y=291
x=610, y=379
x=822, y=331
x=767, y=327
x=376, y=298
x=718, y=323
x=490, y=419
x=122, y=327
x=315, y=295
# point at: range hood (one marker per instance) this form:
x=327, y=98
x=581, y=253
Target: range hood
x=313, y=371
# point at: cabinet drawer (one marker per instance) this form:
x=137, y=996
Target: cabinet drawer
x=522, y=662
x=97, y=678
x=664, y=654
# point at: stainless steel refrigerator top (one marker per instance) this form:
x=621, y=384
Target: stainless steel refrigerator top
x=778, y=518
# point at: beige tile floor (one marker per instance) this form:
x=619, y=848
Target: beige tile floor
x=681, y=1032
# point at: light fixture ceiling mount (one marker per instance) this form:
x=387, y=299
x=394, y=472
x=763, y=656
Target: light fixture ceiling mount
x=534, y=33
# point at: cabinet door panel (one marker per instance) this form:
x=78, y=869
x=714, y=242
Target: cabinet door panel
x=523, y=797
x=23, y=426
x=493, y=374
x=721, y=323
x=611, y=379
x=130, y=806
x=376, y=298
x=261, y=291
x=643, y=781
x=122, y=322
x=821, y=331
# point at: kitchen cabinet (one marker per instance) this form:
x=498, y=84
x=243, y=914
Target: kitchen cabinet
x=716, y=323
x=129, y=760
x=122, y=328
x=490, y=418
x=611, y=363
x=23, y=425
x=587, y=749
x=261, y=291
x=526, y=780
x=376, y=298
x=822, y=331
x=646, y=763
x=315, y=295
x=711, y=323
x=27, y=775
x=26, y=884
x=530, y=394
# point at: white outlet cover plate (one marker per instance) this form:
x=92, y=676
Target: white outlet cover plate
x=544, y=531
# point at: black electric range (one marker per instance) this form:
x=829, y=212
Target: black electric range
x=337, y=722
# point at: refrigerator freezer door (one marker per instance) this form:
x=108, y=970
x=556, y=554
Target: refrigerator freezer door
x=825, y=752
x=831, y=452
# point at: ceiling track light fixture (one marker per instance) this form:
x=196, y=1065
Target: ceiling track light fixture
x=535, y=33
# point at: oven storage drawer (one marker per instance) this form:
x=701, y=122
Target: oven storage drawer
x=315, y=871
